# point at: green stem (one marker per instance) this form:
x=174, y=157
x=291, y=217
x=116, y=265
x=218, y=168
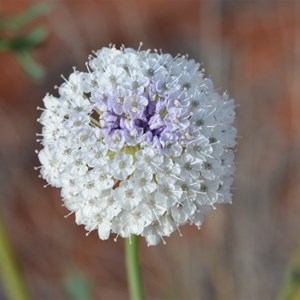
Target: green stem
x=13, y=282
x=134, y=277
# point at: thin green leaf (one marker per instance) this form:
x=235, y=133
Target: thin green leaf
x=29, y=65
x=37, y=35
x=14, y=24
x=30, y=40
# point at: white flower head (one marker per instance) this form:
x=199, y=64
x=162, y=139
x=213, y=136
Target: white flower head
x=140, y=144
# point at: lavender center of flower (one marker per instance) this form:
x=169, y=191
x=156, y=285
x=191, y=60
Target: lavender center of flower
x=136, y=118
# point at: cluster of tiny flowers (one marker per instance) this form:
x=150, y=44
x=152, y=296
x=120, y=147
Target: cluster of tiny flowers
x=140, y=144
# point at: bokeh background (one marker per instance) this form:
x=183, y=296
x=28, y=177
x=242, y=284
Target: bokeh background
x=243, y=251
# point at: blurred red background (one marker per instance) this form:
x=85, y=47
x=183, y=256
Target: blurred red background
x=250, y=48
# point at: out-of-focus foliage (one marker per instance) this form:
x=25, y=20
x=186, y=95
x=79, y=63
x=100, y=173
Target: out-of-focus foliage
x=77, y=286
x=17, y=37
x=291, y=286
x=20, y=38
x=13, y=281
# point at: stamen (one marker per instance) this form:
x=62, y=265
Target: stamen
x=69, y=214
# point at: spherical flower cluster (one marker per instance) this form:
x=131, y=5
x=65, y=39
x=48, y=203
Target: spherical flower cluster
x=140, y=144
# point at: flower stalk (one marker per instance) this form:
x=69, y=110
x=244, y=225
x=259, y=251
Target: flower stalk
x=135, y=284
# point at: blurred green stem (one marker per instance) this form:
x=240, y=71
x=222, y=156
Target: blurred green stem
x=12, y=279
x=290, y=288
x=134, y=277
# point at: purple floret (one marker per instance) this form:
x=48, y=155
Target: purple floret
x=147, y=119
